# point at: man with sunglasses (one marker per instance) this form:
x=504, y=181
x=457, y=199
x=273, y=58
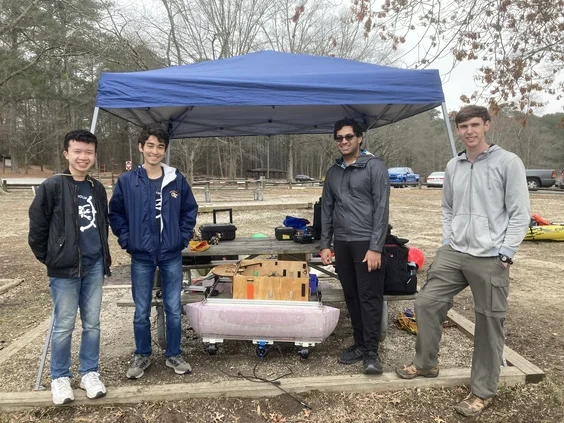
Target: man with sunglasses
x=354, y=215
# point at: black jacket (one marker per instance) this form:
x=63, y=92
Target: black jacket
x=54, y=229
x=355, y=202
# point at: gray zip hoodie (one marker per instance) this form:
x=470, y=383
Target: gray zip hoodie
x=485, y=207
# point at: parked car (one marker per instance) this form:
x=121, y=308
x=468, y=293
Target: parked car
x=400, y=176
x=435, y=179
x=540, y=178
x=304, y=178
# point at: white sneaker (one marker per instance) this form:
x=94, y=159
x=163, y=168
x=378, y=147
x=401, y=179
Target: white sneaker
x=92, y=384
x=61, y=391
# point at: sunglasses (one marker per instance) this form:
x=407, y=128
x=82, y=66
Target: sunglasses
x=348, y=137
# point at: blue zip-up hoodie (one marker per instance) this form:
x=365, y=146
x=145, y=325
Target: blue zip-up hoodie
x=133, y=215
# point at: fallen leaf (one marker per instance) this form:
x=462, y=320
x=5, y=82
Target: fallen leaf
x=258, y=409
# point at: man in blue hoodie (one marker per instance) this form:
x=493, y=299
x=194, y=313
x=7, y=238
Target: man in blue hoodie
x=153, y=213
x=485, y=215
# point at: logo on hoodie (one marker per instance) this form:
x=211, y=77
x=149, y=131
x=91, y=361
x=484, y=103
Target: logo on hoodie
x=174, y=194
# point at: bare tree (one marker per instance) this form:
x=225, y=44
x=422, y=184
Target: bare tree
x=520, y=42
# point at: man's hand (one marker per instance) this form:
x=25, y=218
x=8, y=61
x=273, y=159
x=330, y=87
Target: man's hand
x=325, y=255
x=373, y=259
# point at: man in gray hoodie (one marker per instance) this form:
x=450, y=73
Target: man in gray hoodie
x=485, y=215
x=354, y=212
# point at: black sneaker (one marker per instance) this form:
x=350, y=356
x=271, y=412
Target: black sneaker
x=351, y=355
x=372, y=365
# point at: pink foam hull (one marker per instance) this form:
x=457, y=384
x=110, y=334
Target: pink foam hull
x=262, y=320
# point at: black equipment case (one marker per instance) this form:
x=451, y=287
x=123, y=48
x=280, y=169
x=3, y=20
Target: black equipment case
x=226, y=230
x=283, y=233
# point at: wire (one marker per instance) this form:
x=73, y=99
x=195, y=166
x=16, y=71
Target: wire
x=274, y=382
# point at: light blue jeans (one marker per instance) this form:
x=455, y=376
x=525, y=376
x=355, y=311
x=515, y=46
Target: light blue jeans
x=69, y=295
x=142, y=276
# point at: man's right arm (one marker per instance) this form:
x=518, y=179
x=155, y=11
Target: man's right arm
x=118, y=216
x=40, y=213
x=446, y=206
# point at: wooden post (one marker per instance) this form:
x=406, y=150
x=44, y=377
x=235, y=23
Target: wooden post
x=259, y=192
x=207, y=196
x=262, y=182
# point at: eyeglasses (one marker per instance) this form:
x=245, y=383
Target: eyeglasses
x=348, y=137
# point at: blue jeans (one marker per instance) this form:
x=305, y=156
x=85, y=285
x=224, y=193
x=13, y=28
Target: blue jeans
x=142, y=276
x=70, y=294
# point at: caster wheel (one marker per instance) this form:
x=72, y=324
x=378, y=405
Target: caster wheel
x=211, y=349
x=261, y=351
x=304, y=353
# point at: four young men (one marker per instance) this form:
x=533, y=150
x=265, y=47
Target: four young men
x=485, y=215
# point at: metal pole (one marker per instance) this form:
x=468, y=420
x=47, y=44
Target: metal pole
x=168, y=152
x=449, y=129
x=38, y=386
x=94, y=120
x=93, y=128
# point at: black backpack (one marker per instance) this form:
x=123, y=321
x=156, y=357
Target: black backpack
x=400, y=278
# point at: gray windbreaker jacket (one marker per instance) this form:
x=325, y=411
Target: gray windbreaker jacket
x=355, y=202
x=485, y=206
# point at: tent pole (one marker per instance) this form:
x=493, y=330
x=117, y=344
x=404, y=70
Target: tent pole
x=168, y=153
x=93, y=129
x=449, y=129
x=94, y=119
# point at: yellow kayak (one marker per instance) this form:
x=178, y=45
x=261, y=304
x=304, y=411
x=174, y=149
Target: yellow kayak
x=545, y=233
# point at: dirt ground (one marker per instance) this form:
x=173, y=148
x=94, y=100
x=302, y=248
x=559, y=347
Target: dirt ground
x=533, y=330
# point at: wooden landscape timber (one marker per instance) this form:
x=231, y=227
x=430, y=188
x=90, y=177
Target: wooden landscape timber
x=132, y=394
x=533, y=373
x=23, y=341
x=7, y=284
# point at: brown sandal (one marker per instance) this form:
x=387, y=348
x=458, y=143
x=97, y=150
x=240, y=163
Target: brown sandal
x=409, y=371
x=472, y=405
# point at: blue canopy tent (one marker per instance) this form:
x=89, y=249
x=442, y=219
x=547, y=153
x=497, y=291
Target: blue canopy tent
x=268, y=93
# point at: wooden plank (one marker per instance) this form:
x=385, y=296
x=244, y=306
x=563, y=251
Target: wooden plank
x=7, y=284
x=258, y=206
x=23, y=341
x=255, y=246
x=134, y=394
x=533, y=373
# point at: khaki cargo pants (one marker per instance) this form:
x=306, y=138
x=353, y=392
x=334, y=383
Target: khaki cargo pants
x=449, y=274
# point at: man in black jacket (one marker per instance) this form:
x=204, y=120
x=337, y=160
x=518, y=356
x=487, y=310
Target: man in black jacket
x=354, y=214
x=68, y=232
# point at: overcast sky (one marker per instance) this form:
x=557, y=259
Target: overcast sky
x=461, y=81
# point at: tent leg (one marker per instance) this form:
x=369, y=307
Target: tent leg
x=93, y=129
x=168, y=153
x=38, y=386
x=449, y=129
x=94, y=119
